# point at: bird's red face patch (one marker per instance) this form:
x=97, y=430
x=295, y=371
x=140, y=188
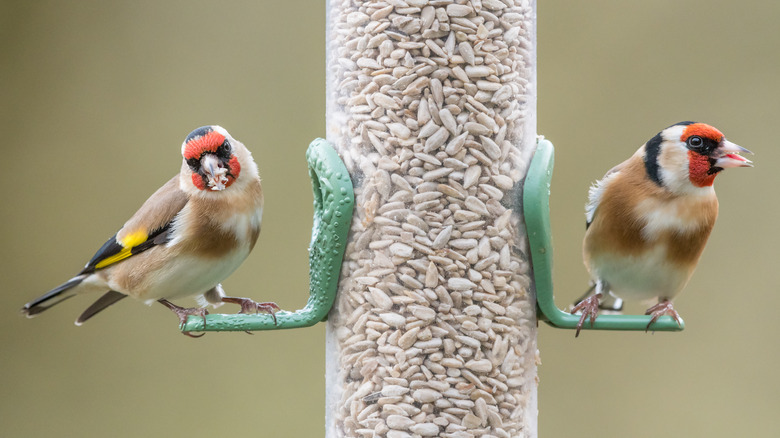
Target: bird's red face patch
x=234, y=168
x=206, y=143
x=702, y=130
x=198, y=181
x=699, y=170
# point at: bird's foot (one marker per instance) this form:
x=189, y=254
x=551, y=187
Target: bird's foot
x=184, y=312
x=662, y=308
x=251, y=306
x=589, y=308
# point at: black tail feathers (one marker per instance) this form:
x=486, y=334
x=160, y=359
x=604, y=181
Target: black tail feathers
x=108, y=299
x=52, y=297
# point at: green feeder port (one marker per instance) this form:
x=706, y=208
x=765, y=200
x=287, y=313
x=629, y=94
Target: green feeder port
x=536, y=210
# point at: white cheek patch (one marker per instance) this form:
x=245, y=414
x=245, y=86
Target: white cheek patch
x=673, y=166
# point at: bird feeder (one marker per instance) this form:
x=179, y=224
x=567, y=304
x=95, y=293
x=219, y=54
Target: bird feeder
x=431, y=105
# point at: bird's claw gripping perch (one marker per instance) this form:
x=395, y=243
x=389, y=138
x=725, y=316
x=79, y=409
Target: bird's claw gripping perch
x=589, y=308
x=662, y=308
x=184, y=312
x=251, y=306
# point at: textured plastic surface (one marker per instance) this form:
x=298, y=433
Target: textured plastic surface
x=334, y=201
x=536, y=210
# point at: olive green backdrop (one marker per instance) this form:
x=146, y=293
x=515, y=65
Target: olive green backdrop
x=97, y=97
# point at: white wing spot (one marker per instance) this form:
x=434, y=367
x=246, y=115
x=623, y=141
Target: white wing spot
x=595, y=193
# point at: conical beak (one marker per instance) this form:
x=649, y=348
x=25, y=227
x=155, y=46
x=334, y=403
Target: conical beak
x=727, y=155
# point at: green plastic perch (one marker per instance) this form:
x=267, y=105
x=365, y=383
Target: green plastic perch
x=536, y=210
x=334, y=201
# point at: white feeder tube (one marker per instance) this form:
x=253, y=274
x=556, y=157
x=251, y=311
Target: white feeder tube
x=432, y=106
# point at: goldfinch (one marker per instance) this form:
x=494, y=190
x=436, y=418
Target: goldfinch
x=648, y=219
x=190, y=235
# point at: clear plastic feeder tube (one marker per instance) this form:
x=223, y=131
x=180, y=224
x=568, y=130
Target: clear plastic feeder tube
x=432, y=106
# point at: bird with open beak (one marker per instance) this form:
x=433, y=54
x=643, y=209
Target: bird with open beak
x=648, y=219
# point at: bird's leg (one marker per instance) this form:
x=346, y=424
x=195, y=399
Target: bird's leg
x=251, y=306
x=587, y=293
x=183, y=313
x=664, y=307
x=590, y=308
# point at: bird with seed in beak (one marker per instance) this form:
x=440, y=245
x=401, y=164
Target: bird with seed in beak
x=189, y=236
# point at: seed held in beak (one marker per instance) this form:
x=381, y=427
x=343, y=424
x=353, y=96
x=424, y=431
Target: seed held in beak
x=215, y=172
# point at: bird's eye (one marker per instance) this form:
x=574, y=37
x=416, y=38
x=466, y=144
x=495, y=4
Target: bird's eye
x=695, y=142
x=223, y=151
x=194, y=163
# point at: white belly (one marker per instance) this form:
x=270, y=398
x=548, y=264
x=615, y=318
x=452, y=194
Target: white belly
x=641, y=278
x=193, y=277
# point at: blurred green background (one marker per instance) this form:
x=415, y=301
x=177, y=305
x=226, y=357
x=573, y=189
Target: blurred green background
x=97, y=97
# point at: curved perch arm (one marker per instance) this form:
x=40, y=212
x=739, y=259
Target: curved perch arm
x=334, y=201
x=536, y=210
